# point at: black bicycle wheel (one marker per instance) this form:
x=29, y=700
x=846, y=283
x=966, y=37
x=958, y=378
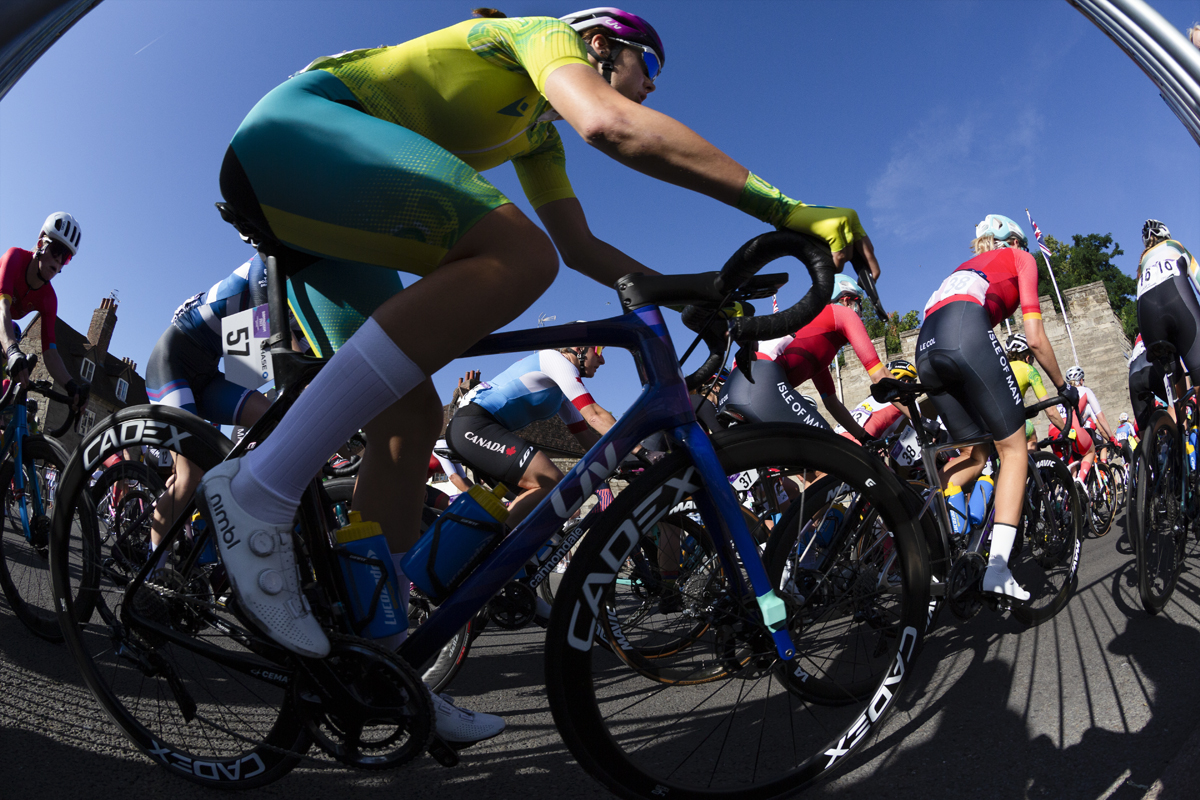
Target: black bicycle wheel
x=1045, y=557
x=750, y=729
x=25, y=535
x=1101, y=499
x=1159, y=525
x=174, y=667
x=439, y=671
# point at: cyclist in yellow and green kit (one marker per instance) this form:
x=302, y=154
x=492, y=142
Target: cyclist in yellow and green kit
x=1020, y=359
x=369, y=162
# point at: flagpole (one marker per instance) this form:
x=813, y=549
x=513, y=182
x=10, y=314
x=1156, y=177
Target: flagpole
x=1046, y=257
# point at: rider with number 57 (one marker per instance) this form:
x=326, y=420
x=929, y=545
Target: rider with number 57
x=964, y=368
x=374, y=157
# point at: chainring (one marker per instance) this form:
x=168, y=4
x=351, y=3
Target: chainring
x=966, y=576
x=514, y=606
x=392, y=722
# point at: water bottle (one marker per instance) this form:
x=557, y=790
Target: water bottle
x=370, y=577
x=1191, y=450
x=957, y=505
x=980, y=497
x=831, y=524
x=462, y=536
x=209, y=554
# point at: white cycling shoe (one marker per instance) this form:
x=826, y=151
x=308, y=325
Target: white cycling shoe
x=458, y=726
x=999, y=580
x=261, y=566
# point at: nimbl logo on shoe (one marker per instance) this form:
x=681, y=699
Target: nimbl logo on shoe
x=221, y=520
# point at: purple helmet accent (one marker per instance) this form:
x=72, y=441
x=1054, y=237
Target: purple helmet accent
x=622, y=24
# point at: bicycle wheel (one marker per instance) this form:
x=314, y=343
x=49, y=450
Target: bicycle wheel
x=1101, y=499
x=173, y=666
x=25, y=536
x=439, y=671
x=1158, y=512
x=750, y=729
x=1045, y=557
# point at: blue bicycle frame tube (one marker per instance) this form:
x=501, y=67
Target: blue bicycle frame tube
x=663, y=405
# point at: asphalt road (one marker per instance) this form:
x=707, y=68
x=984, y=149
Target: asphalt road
x=1093, y=704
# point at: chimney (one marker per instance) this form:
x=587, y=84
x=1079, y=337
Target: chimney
x=104, y=319
x=131, y=363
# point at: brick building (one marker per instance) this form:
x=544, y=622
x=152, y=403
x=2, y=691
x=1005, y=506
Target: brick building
x=115, y=381
x=1099, y=339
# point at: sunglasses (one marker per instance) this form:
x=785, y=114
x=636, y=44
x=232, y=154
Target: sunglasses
x=599, y=349
x=59, y=251
x=651, y=62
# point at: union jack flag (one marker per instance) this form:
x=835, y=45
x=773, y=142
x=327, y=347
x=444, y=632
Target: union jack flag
x=774, y=304
x=1037, y=234
x=605, y=497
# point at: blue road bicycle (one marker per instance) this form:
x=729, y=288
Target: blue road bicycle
x=26, y=501
x=745, y=690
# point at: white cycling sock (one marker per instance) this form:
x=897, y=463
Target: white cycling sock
x=1003, y=537
x=368, y=374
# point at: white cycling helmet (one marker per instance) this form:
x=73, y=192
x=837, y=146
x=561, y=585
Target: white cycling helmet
x=1152, y=231
x=1017, y=344
x=1123, y=418
x=1075, y=374
x=1001, y=227
x=62, y=227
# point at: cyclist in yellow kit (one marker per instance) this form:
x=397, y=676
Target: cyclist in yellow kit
x=371, y=159
x=1020, y=360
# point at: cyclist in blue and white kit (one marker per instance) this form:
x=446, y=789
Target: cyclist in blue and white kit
x=184, y=373
x=537, y=387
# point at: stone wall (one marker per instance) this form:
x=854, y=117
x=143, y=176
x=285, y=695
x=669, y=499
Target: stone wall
x=1099, y=340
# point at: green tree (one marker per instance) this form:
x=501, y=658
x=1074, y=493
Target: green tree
x=891, y=330
x=1087, y=259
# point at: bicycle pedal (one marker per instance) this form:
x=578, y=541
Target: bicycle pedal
x=442, y=752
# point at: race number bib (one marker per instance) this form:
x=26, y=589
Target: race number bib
x=243, y=336
x=1161, y=264
x=961, y=282
x=743, y=480
x=907, y=449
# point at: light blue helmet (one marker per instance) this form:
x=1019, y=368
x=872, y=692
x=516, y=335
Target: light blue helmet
x=843, y=285
x=1001, y=227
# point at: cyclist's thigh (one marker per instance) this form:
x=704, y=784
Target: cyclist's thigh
x=488, y=447
x=1169, y=313
x=220, y=400
x=332, y=299
x=940, y=371
x=368, y=191
x=991, y=387
x=176, y=368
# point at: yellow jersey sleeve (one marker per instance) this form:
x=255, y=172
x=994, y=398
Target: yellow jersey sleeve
x=534, y=45
x=543, y=173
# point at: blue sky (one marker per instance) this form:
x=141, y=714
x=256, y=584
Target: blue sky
x=924, y=116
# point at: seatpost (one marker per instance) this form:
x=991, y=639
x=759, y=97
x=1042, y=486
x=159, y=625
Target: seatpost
x=280, y=333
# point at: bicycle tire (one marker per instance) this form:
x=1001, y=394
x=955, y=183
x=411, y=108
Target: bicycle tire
x=439, y=671
x=1161, y=534
x=1045, y=556
x=25, y=565
x=244, y=730
x=1101, y=507
x=644, y=739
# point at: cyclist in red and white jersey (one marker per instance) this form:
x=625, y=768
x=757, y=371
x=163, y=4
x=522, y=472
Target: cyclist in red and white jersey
x=964, y=367
x=25, y=288
x=785, y=363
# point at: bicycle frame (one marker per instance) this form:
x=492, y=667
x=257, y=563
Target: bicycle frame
x=15, y=434
x=663, y=405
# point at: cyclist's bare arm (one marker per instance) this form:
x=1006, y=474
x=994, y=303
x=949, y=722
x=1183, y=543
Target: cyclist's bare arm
x=56, y=367
x=641, y=138
x=1042, y=351
x=839, y=412
x=580, y=249
x=7, y=339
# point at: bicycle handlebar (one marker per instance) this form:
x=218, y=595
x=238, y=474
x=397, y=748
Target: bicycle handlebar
x=44, y=388
x=868, y=284
x=737, y=278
